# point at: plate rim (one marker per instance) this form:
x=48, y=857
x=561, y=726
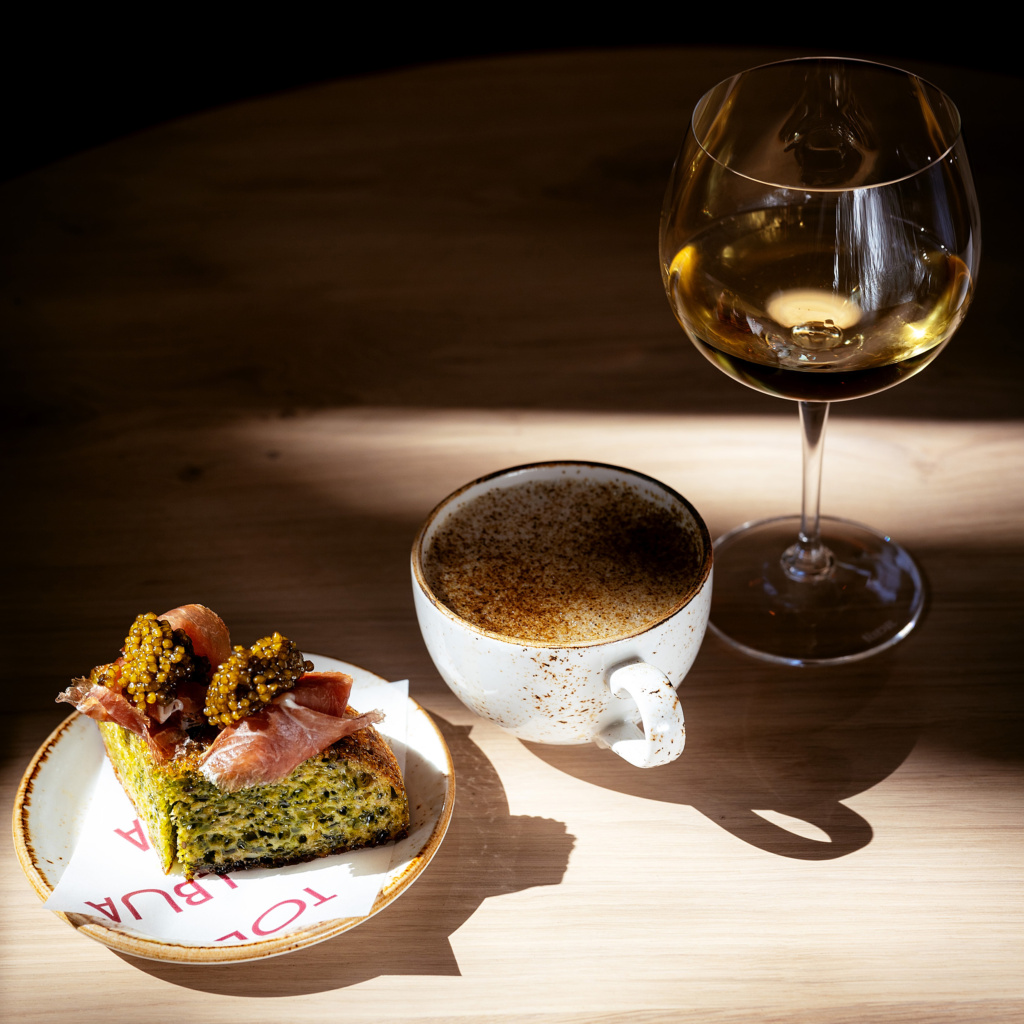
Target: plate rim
x=148, y=948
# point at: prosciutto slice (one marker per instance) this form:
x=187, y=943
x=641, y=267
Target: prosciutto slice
x=205, y=628
x=104, y=704
x=293, y=727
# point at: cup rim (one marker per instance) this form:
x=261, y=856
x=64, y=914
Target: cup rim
x=700, y=579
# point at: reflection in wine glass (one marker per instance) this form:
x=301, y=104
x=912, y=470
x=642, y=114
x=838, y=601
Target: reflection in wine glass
x=819, y=242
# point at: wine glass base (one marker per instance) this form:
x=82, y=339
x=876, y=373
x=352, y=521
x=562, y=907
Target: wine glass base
x=872, y=598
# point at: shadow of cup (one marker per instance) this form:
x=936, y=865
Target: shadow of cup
x=774, y=752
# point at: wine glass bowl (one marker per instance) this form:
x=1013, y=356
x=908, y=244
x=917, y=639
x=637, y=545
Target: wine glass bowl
x=819, y=242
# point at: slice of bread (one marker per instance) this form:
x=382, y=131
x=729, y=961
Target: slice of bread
x=350, y=796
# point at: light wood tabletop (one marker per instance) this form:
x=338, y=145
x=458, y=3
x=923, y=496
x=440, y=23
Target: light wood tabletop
x=248, y=351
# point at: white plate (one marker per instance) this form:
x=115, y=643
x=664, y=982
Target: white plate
x=53, y=794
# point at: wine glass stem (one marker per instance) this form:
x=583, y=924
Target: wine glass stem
x=809, y=560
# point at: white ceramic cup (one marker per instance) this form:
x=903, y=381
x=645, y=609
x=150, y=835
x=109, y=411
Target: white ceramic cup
x=618, y=692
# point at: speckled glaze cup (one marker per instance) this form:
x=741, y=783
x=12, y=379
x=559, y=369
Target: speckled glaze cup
x=618, y=692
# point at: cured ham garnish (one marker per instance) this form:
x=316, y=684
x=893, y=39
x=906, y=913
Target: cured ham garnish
x=295, y=726
x=104, y=704
x=205, y=628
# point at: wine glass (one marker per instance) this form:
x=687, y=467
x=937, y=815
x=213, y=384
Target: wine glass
x=819, y=242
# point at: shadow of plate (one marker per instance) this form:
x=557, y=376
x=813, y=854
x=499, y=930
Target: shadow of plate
x=486, y=852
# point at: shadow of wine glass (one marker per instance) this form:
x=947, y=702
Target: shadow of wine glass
x=487, y=852
x=772, y=752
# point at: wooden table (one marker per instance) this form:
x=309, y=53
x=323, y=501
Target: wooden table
x=247, y=352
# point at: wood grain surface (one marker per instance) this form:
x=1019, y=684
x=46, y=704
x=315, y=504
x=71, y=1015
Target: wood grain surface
x=246, y=353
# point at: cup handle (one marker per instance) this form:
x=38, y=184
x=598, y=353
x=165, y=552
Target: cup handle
x=663, y=733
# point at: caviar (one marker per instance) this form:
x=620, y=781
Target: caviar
x=251, y=678
x=156, y=659
x=106, y=675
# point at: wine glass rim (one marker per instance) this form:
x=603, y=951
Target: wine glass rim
x=825, y=58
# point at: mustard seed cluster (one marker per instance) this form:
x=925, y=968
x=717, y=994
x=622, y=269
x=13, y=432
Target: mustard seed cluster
x=251, y=678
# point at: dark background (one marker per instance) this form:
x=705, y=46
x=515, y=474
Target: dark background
x=78, y=81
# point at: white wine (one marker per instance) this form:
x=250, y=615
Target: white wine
x=776, y=301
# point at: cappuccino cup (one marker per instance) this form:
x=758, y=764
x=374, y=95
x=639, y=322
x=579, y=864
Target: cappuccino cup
x=565, y=602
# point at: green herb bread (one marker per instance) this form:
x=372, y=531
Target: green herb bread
x=239, y=757
x=350, y=796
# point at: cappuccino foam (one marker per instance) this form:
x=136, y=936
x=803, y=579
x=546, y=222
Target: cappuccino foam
x=564, y=561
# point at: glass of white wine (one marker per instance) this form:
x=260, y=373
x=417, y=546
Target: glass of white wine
x=819, y=242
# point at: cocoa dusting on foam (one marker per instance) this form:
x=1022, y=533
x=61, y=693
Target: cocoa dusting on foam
x=563, y=561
